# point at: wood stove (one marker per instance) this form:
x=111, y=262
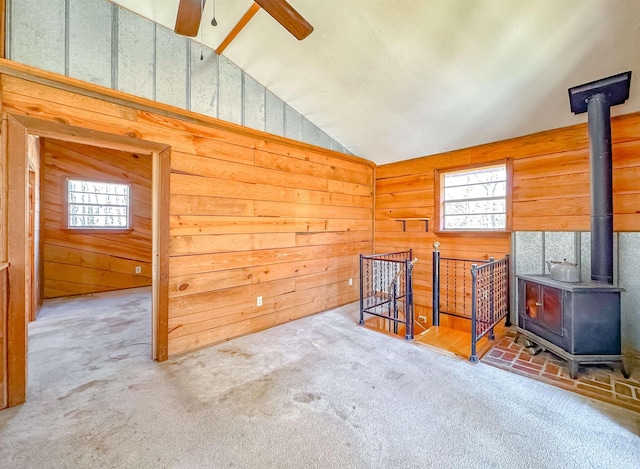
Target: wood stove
x=580, y=322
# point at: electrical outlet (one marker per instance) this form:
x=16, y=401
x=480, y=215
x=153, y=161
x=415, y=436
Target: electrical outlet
x=259, y=301
x=422, y=319
x=138, y=269
x=350, y=281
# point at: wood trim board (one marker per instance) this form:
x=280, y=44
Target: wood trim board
x=160, y=220
x=253, y=9
x=16, y=359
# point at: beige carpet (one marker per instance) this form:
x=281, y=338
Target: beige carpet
x=320, y=392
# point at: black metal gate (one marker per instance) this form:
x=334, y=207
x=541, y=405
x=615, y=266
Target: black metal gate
x=490, y=290
x=477, y=290
x=386, y=289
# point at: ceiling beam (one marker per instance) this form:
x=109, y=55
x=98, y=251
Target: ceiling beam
x=237, y=28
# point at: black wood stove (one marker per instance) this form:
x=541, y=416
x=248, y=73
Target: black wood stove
x=580, y=322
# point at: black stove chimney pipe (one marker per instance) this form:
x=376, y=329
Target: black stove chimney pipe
x=597, y=97
x=601, y=188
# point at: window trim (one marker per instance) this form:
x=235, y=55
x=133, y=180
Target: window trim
x=438, y=198
x=100, y=229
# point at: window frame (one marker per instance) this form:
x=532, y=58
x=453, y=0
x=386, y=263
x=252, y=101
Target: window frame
x=439, y=174
x=100, y=229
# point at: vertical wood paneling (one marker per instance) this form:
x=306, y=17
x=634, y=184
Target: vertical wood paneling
x=88, y=262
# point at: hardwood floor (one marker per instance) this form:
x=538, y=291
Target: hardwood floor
x=458, y=342
x=445, y=339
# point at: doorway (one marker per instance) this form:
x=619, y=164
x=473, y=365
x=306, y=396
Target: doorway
x=22, y=272
x=96, y=219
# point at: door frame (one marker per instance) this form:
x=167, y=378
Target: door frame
x=16, y=137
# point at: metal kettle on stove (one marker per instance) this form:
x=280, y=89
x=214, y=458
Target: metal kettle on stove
x=563, y=271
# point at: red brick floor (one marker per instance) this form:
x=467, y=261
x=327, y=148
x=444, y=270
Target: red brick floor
x=596, y=381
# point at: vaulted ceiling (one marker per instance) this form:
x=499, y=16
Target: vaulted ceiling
x=398, y=79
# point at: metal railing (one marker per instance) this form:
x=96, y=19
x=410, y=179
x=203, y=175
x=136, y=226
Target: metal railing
x=477, y=290
x=490, y=302
x=386, y=289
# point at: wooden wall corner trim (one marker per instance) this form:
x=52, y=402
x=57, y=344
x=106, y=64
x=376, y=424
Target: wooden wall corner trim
x=437, y=197
x=3, y=187
x=161, y=215
x=373, y=211
x=16, y=333
x=509, y=197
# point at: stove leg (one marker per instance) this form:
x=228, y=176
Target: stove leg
x=573, y=369
x=624, y=371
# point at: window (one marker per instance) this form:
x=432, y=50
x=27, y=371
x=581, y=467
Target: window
x=474, y=199
x=97, y=205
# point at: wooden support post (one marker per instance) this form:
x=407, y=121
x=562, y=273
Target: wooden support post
x=17, y=141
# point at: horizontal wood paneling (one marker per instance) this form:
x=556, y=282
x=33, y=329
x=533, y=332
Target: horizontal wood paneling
x=287, y=237
x=550, y=192
x=203, y=224
x=89, y=262
x=250, y=214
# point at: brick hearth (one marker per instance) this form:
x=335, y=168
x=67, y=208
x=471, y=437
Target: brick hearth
x=596, y=381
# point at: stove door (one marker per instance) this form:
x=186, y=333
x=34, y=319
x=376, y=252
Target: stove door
x=552, y=309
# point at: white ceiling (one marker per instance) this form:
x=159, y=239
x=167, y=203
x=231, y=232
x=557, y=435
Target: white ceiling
x=397, y=79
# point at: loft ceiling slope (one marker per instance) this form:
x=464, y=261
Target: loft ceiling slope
x=395, y=83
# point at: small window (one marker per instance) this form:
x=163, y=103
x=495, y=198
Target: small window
x=474, y=199
x=98, y=205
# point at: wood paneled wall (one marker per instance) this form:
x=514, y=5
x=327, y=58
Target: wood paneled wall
x=280, y=223
x=79, y=262
x=550, y=192
x=251, y=214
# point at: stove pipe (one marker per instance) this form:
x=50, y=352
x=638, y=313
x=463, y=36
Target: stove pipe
x=596, y=98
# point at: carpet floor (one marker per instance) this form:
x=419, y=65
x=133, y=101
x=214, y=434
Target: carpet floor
x=320, y=392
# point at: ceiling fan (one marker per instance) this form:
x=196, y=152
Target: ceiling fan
x=190, y=14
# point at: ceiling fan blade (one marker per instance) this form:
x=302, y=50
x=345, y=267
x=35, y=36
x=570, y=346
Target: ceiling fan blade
x=189, y=16
x=285, y=14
